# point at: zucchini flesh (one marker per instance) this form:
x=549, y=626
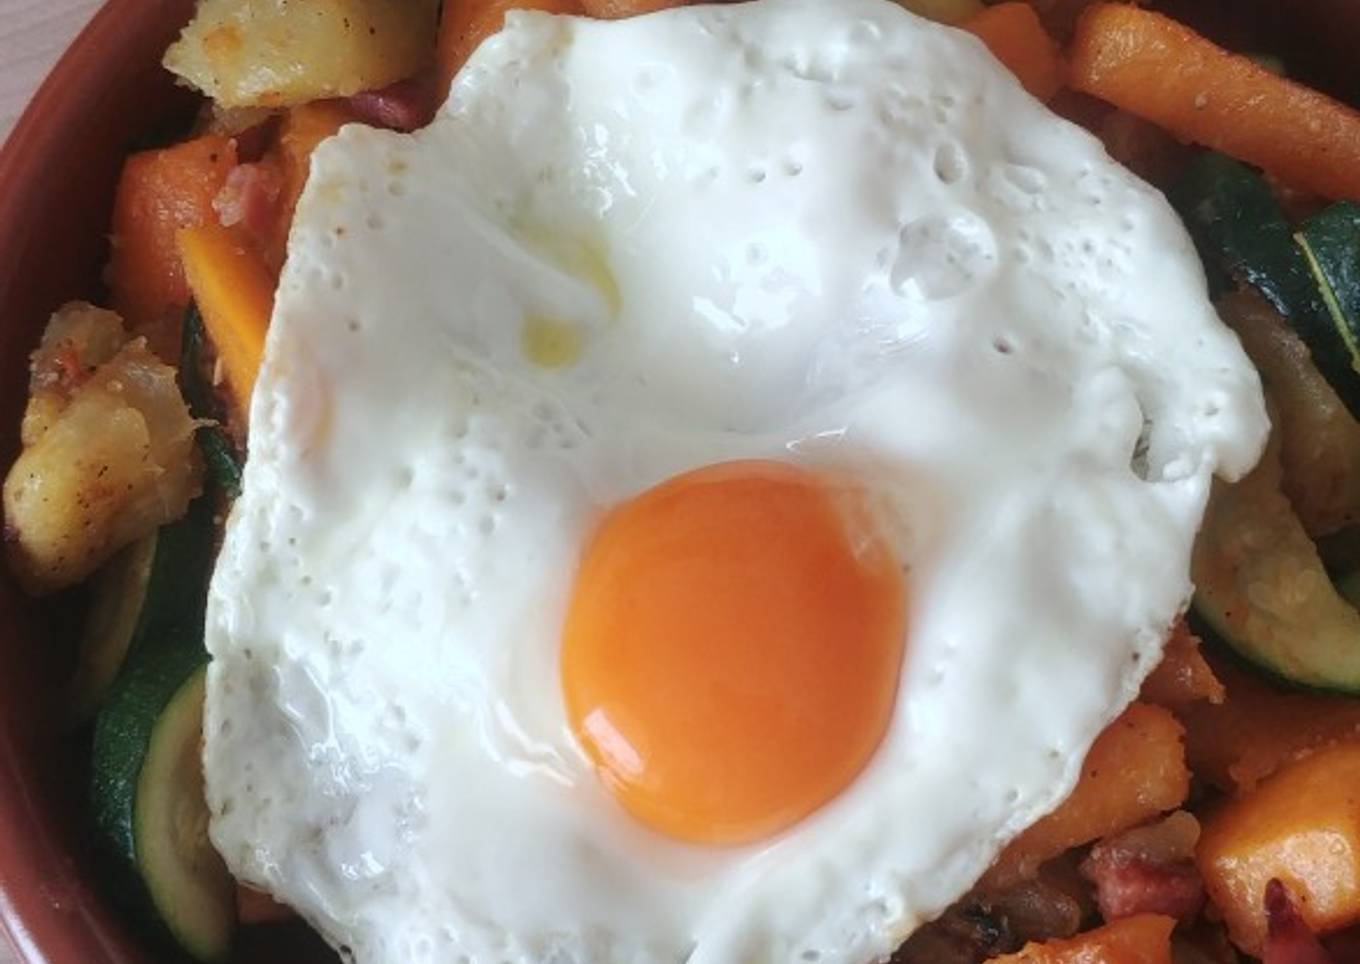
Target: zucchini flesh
x=185, y=876
x=1319, y=439
x=167, y=651
x=120, y=589
x=1262, y=588
x=1243, y=237
x=219, y=452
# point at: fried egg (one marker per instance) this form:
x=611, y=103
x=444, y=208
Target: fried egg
x=706, y=493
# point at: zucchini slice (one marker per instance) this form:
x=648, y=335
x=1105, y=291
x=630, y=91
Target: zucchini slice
x=1243, y=237
x=1241, y=233
x=1330, y=242
x=120, y=589
x=219, y=452
x=1261, y=586
x=185, y=876
x=1319, y=438
x=137, y=760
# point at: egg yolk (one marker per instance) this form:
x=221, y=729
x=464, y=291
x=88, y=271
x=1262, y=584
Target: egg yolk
x=732, y=649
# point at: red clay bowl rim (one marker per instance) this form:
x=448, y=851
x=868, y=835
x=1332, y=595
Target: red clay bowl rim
x=49, y=910
x=35, y=137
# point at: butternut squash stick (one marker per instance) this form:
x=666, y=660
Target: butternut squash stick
x=235, y=293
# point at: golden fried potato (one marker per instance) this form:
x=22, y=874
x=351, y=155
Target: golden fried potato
x=78, y=339
x=113, y=460
x=276, y=53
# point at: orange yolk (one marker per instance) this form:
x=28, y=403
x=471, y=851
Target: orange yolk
x=732, y=649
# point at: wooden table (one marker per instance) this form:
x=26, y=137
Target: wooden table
x=33, y=33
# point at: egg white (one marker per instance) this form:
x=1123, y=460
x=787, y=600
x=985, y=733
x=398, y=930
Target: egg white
x=827, y=232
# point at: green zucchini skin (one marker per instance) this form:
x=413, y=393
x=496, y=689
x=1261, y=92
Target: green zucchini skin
x=1261, y=587
x=1330, y=241
x=224, y=466
x=1243, y=238
x=167, y=650
x=1241, y=233
x=116, y=618
x=185, y=876
x=119, y=592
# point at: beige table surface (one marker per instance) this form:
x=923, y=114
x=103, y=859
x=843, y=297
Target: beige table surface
x=33, y=33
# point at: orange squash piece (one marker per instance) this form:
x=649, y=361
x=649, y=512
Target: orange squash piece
x=1161, y=70
x=1302, y=826
x=1014, y=35
x=1134, y=772
x=1140, y=939
x=159, y=193
x=1183, y=676
x=466, y=23
x=301, y=130
x=1260, y=727
x=235, y=293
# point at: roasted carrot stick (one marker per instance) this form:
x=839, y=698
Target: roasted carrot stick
x=1163, y=71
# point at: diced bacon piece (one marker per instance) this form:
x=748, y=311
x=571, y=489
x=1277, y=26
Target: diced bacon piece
x=1131, y=887
x=1288, y=937
x=403, y=106
x=249, y=198
x=1148, y=870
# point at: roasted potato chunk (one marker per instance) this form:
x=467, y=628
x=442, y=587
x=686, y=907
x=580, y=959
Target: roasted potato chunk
x=276, y=53
x=108, y=451
x=78, y=339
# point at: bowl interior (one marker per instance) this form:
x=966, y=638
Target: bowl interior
x=57, y=175
x=107, y=96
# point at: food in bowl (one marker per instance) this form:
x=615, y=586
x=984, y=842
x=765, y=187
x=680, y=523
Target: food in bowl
x=723, y=488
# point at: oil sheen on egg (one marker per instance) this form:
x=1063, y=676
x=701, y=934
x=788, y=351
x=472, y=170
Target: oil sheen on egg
x=831, y=235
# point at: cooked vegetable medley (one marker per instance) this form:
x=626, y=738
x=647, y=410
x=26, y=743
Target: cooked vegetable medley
x=1216, y=820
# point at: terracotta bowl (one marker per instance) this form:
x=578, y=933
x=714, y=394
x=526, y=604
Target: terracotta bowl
x=57, y=174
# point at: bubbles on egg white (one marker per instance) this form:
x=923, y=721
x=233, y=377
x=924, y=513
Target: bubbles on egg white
x=950, y=163
x=942, y=257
